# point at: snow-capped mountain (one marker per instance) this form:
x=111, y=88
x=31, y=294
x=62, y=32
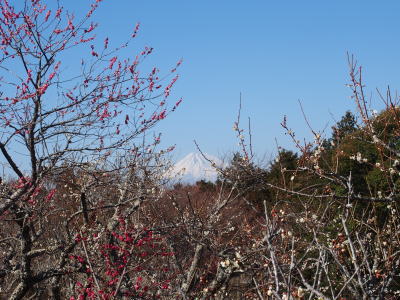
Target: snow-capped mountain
x=194, y=167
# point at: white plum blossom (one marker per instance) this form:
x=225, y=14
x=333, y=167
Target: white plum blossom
x=359, y=158
x=225, y=263
x=300, y=292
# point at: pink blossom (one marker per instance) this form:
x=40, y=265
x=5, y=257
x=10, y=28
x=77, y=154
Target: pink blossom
x=136, y=30
x=162, y=115
x=42, y=89
x=51, y=76
x=178, y=102
x=91, y=28
x=112, y=62
x=69, y=95
x=47, y=15
x=50, y=195
x=70, y=25
x=58, y=13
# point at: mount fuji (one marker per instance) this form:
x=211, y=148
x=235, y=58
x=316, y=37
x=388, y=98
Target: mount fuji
x=194, y=167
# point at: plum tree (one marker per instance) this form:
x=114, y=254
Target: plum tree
x=80, y=122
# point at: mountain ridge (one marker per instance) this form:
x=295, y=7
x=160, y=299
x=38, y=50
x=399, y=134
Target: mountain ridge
x=194, y=167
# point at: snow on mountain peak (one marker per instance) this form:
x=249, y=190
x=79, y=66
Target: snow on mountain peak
x=194, y=167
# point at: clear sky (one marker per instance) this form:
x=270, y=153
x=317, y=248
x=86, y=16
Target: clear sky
x=273, y=52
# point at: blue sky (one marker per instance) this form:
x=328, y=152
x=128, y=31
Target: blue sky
x=273, y=52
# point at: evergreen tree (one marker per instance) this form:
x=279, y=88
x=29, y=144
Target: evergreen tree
x=346, y=126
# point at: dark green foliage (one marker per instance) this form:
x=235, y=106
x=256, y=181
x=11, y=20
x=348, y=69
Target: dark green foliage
x=346, y=126
x=284, y=165
x=205, y=186
x=247, y=178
